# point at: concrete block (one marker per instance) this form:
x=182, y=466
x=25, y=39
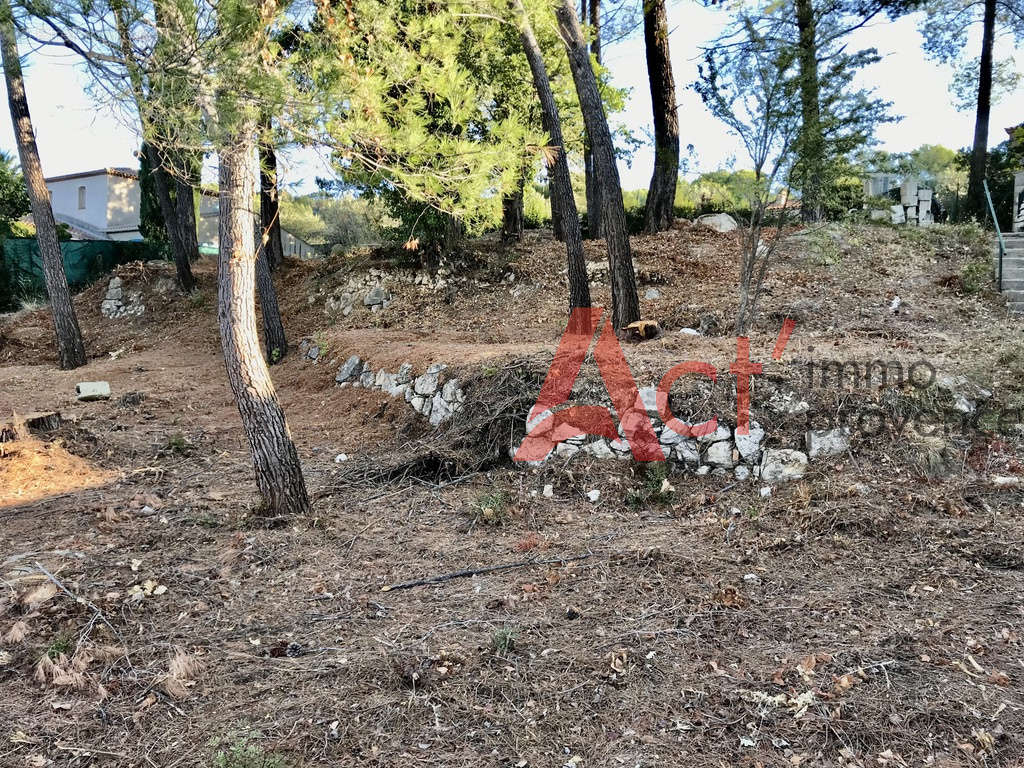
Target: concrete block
x=92, y=390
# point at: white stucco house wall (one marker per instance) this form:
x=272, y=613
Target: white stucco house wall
x=104, y=205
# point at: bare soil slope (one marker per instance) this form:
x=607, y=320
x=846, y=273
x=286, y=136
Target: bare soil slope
x=870, y=614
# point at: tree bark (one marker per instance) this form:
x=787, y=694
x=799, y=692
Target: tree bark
x=274, y=339
x=512, y=211
x=185, y=218
x=658, y=212
x=625, y=303
x=70, y=348
x=278, y=471
x=270, y=204
x=592, y=181
x=811, y=145
x=163, y=183
x=183, y=248
x=976, y=204
x=562, y=199
x=557, y=217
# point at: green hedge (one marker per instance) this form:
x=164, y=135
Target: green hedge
x=21, y=267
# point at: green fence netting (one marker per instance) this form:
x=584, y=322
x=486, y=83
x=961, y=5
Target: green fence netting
x=21, y=267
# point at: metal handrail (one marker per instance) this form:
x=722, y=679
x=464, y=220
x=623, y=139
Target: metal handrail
x=999, y=235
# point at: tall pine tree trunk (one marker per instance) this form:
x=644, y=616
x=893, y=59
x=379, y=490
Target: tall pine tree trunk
x=976, y=204
x=278, y=471
x=658, y=212
x=163, y=183
x=557, y=217
x=70, y=348
x=512, y=213
x=270, y=252
x=811, y=144
x=183, y=249
x=270, y=204
x=625, y=303
x=185, y=217
x=592, y=182
x=562, y=198
x=274, y=340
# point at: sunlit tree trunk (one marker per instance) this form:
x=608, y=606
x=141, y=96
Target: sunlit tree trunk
x=658, y=212
x=276, y=461
x=70, y=348
x=976, y=204
x=593, y=184
x=625, y=303
x=562, y=198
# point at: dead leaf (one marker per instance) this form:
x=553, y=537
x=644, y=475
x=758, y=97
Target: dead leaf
x=15, y=634
x=39, y=595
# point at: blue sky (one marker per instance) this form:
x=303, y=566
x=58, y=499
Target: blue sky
x=75, y=133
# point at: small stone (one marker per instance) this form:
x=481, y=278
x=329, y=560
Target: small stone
x=780, y=465
x=340, y=458
x=690, y=331
x=751, y=578
x=376, y=296
x=366, y=378
x=440, y=409
x=719, y=222
x=566, y=450
x=452, y=393
x=962, y=404
x=742, y=472
x=766, y=491
x=404, y=375
x=593, y=495
x=599, y=449
x=351, y=368
x=648, y=399
x=720, y=455
x=827, y=442
x=686, y=451
x=721, y=433
x=703, y=470
x=427, y=383
x=652, y=294
x=749, y=445
x=549, y=491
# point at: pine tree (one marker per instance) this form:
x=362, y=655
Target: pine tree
x=70, y=348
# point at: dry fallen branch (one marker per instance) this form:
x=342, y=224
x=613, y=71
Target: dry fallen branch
x=477, y=571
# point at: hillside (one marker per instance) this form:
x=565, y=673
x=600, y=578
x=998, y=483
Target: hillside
x=866, y=612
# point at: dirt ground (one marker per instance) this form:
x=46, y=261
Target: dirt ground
x=868, y=615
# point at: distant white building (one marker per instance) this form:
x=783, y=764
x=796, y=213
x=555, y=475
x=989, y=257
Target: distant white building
x=104, y=205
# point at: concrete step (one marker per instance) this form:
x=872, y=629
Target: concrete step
x=1014, y=296
x=1016, y=307
x=1013, y=284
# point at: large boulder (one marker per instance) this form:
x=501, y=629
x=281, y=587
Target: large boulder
x=719, y=222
